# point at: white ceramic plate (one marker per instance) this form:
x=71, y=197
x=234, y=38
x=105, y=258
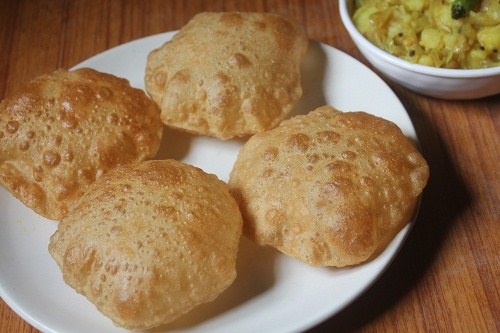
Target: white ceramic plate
x=272, y=293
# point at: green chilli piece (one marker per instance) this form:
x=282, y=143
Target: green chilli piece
x=460, y=8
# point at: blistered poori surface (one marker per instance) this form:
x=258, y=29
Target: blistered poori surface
x=228, y=74
x=149, y=241
x=64, y=130
x=328, y=186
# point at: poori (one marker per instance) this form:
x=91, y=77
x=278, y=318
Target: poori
x=228, y=74
x=327, y=187
x=62, y=131
x=149, y=241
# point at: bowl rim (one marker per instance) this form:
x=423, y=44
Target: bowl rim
x=417, y=68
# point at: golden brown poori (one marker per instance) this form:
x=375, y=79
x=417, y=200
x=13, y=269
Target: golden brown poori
x=228, y=74
x=62, y=131
x=149, y=241
x=326, y=187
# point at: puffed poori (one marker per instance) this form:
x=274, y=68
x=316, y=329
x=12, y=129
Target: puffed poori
x=228, y=74
x=149, y=241
x=62, y=131
x=326, y=187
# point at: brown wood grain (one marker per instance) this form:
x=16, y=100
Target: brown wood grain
x=446, y=277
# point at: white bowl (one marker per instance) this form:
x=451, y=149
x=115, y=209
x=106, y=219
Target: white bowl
x=436, y=82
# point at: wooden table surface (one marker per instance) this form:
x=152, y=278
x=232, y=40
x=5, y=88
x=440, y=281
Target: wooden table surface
x=446, y=277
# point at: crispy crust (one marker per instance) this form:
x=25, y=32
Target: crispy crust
x=62, y=131
x=149, y=241
x=228, y=74
x=327, y=187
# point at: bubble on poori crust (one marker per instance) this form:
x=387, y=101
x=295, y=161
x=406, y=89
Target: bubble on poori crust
x=62, y=131
x=149, y=241
x=228, y=74
x=327, y=187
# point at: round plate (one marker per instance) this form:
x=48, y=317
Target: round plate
x=273, y=292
